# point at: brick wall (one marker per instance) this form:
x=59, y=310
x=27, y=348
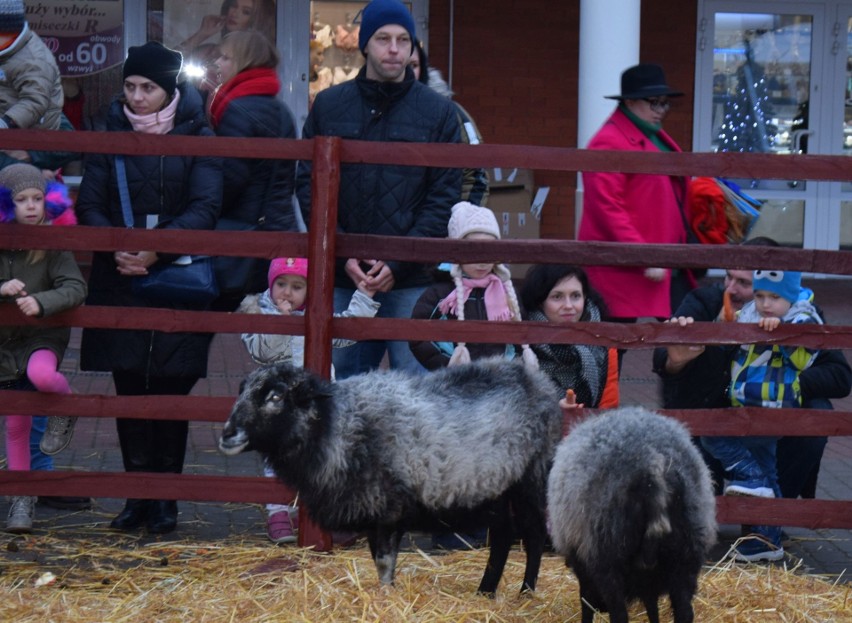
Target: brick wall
x=515, y=70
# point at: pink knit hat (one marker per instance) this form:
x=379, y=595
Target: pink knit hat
x=287, y=266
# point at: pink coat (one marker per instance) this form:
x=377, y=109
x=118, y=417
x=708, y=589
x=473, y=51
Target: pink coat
x=632, y=208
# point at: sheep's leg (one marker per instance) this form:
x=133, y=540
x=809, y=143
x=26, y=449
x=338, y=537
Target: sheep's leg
x=651, y=609
x=681, y=600
x=590, y=599
x=500, y=534
x=533, y=531
x=384, y=546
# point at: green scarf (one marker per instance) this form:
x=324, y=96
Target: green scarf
x=651, y=130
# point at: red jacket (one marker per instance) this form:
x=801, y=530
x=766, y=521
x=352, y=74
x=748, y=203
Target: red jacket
x=633, y=208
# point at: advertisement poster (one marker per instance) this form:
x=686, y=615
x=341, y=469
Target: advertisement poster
x=85, y=36
x=183, y=18
x=192, y=24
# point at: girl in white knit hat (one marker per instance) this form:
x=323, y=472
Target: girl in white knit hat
x=477, y=291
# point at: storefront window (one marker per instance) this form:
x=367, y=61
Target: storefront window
x=196, y=28
x=334, y=53
x=761, y=82
x=335, y=56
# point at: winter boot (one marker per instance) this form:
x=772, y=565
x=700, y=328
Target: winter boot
x=20, y=519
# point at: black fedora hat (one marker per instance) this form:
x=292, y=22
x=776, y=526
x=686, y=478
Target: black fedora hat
x=641, y=81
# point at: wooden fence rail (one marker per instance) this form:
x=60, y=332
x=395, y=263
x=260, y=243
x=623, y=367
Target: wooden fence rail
x=323, y=244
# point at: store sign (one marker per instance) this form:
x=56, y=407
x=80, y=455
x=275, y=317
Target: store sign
x=85, y=36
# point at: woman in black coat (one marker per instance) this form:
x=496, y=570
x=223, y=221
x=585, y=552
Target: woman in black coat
x=167, y=192
x=256, y=193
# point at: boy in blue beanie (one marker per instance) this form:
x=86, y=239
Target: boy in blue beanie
x=764, y=375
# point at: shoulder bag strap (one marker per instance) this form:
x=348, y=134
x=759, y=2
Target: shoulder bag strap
x=123, y=193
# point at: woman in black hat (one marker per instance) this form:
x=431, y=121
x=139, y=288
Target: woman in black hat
x=635, y=208
x=166, y=192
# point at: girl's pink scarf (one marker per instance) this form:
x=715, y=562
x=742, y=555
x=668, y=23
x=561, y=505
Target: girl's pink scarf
x=160, y=122
x=496, y=305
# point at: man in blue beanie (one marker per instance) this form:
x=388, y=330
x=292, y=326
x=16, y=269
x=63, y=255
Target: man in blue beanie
x=385, y=103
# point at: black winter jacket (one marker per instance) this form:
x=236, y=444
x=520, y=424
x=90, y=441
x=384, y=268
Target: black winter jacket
x=258, y=191
x=186, y=193
x=436, y=355
x=703, y=383
x=387, y=199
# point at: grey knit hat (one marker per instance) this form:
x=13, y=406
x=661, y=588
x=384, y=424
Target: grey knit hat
x=18, y=177
x=12, y=16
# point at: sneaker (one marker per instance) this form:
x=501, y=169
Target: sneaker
x=60, y=429
x=762, y=545
x=748, y=478
x=20, y=520
x=280, y=527
x=754, y=488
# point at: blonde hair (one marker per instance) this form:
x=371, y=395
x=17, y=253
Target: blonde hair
x=460, y=353
x=250, y=49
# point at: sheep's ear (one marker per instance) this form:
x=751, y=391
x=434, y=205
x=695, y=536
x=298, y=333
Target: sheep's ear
x=305, y=391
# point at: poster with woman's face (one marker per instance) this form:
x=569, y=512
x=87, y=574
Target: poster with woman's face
x=194, y=25
x=196, y=28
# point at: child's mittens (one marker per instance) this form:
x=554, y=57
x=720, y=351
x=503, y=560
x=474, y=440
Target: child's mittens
x=461, y=355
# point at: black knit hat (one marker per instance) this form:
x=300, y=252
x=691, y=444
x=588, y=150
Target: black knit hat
x=641, y=81
x=156, y=62
x=12, y=15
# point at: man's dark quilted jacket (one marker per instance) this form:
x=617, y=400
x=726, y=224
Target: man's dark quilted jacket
x=387, y=199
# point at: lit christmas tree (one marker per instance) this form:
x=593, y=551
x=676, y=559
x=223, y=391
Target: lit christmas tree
x=744, y=125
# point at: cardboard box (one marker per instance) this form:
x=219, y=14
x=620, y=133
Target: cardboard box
x=510, y=198
x=510, y=178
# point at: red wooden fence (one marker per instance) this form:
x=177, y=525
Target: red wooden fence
x=322, y=244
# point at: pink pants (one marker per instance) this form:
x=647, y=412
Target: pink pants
x=42, y=373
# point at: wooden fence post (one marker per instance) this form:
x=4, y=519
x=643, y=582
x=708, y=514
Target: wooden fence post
x=322, y=235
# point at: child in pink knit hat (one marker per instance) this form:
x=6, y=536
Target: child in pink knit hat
x=287, y=295
x=39, y=283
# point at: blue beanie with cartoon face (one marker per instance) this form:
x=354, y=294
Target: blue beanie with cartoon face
x=381, y=13
x=785, y=284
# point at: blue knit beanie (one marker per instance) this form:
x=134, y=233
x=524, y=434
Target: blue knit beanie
x=12, y=16
x=381, y=13
x=785, y=284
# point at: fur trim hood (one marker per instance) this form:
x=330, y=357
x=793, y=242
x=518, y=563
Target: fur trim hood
x=58, y=206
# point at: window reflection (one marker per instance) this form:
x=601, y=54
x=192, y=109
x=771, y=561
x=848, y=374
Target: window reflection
x=197, y=27
x=761, y=82
x=335, y=57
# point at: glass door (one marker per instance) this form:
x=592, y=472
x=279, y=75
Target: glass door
x=771, y=77
x=843, y=137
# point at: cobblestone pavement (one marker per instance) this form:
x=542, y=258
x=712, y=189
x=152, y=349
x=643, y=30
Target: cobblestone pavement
x=95, y=447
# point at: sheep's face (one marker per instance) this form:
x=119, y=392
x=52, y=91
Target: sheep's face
x=274, y=408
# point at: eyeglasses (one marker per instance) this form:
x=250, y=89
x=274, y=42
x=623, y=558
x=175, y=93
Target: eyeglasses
x=658, y=104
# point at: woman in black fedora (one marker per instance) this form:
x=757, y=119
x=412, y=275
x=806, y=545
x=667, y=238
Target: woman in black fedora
x=635, y=208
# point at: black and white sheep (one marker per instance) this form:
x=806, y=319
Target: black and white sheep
x=386, y=452
x=632, y=509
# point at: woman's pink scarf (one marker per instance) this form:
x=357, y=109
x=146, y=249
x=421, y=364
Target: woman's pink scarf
x=496, y=299
x=160, y=122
